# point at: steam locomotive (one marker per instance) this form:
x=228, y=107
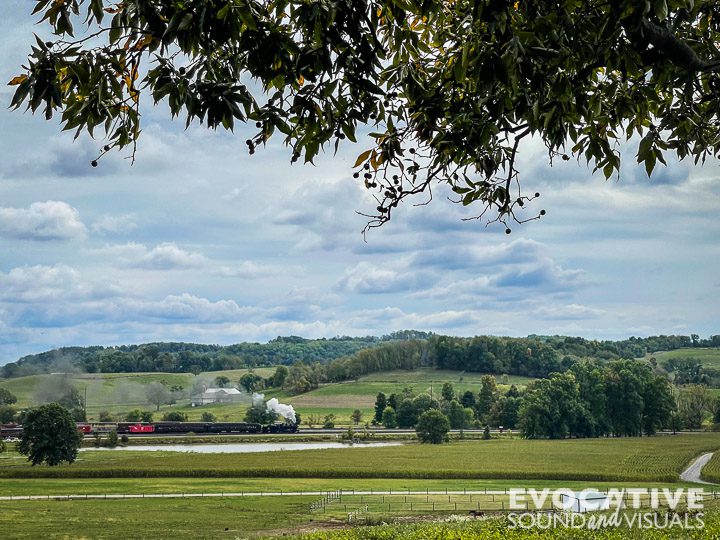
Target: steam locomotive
x=14, y=430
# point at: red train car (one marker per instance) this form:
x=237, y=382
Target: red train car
x=141, y=428
x=84, y=428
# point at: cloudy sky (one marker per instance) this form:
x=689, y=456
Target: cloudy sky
x=198, y=241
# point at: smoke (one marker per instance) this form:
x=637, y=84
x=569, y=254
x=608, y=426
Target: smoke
x=257, y=400
x=286, y=411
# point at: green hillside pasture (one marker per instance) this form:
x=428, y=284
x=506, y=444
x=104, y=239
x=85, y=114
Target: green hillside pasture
x=660, y=458
x=341, y=399
x=707, y=357
x=118, y=393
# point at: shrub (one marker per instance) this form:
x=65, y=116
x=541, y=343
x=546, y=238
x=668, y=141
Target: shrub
x=432, y=427
x=174, y=416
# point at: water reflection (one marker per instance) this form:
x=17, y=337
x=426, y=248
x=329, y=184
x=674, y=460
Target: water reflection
x=244, y=448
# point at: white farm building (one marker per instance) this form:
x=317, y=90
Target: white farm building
x=216, y=395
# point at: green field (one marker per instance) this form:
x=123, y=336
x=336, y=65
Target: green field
x=119, y=393
x=501, y=529
x=467, y=465
x=658, y=458
x=707, y=357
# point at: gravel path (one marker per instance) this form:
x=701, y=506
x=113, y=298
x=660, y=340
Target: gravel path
x=692, y=473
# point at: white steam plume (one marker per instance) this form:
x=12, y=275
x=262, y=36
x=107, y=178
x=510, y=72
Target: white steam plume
x=286, y=411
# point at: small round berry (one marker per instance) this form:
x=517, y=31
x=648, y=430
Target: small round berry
x=507, y=231
x=94, y=163
x=543, y=212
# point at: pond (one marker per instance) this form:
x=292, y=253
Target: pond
x=244, y=448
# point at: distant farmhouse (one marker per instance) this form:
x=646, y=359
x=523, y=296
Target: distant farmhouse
x=216, y=395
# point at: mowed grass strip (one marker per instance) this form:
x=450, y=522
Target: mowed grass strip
x=660, y=458
x=139, y=486
x=153, y=518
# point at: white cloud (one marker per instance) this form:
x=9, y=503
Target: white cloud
x=49, y=220
x=569, y=312
x=166, y=256
x=115, y=224
x=50, y=284
x=365, y=278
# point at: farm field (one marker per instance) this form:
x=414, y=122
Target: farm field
x=139, y=486
x=153, y=518
x=707, y=357
x=119, y=393
x=658, y=459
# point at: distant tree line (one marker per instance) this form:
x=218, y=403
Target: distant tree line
x=196, y=358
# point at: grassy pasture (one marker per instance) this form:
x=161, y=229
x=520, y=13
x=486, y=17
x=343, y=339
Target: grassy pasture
x=659, y=459
x=139, y=486
x=119, y=393
x=153, y=518
x=706, y=356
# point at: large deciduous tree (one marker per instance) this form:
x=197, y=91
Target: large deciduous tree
x=449, y=89
x=49, y=435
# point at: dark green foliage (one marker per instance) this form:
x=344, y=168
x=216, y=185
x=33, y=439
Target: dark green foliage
x=260, y=415
x=105, y=416
x=468, y=399
x=623, y=398
x=222, y=381
x=174, y=416
x=137, y=415
x=207, y=417
x=448, y=392
x=7, y=397
x=432, y=427
x=380, y=404
x=191, y=357
x=49, y=435
x=7, y=414
x=486, y=398
x=455, y=85
x=406, y=416
x=112, y=438
x=356, y=416
x=278, y=378
x=250, y=382
x=716, y=411
x=329, y=421
x=3, y=446
x=457, y=414
x=389, y=418
x=486, y=433
x=505, y=412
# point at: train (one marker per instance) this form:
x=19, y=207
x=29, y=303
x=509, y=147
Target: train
x=11, y=431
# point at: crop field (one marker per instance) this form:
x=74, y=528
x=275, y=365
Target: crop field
x=461, y=528
x=707, y=357
x=711, y=471
x=659, y=459
x=283, y=516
